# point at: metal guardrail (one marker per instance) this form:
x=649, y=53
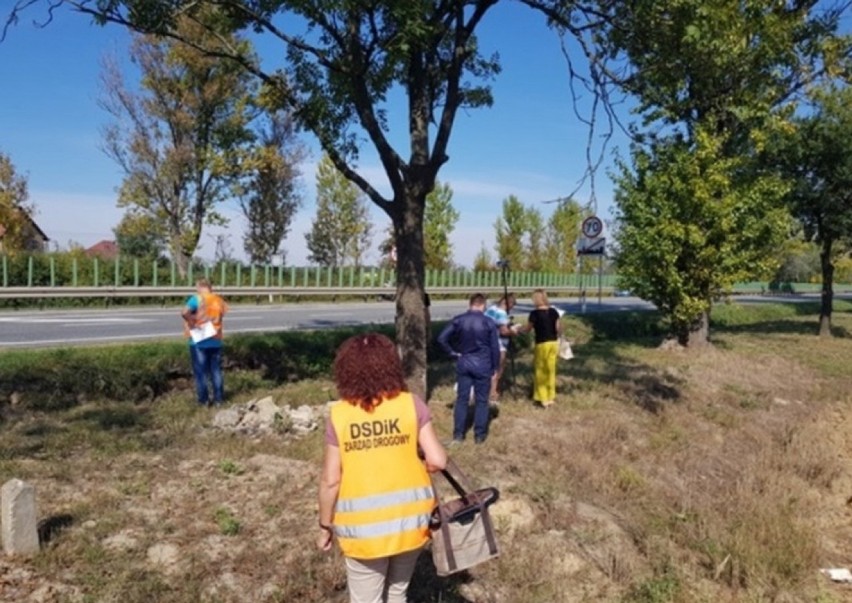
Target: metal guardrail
x=171, y=292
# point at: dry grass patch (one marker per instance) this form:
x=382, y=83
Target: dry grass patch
x=659, y=477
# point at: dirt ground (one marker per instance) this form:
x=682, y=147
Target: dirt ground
x=660, y=476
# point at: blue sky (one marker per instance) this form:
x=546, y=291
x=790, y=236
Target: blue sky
x=529, y=143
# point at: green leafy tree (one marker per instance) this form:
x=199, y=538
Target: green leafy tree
x=713, y=79
x=799, y=262
x=511, y=232
x=483, y=262
x=563, y=230
x=179, y=140
x=342, y=60
x=341, y=232
x=139, y=235
x=270, y=197
x=15, y=207
x=688, y=230
x=535, y=260
x=439, y=223
x=816, y=157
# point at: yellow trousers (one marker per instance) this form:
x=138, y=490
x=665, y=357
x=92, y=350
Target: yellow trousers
x=545, y=371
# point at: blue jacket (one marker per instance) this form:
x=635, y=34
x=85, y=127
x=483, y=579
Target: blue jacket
x=472, y=339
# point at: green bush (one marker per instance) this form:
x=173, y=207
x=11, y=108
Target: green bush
x=60, y=378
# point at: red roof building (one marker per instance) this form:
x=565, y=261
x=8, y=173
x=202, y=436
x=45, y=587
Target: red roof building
x=105, y=250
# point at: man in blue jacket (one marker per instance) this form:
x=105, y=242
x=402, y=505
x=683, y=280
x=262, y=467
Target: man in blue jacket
x=471, y=338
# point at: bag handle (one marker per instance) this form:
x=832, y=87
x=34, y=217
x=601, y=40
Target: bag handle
x=462, y=485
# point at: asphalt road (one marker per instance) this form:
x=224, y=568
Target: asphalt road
x=59, y=328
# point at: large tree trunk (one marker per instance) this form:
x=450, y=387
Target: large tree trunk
x=411, y=327
x=827, y=297
x=180, y=259
x=697, y=333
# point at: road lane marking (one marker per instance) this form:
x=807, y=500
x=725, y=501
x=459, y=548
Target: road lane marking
x=70, y=321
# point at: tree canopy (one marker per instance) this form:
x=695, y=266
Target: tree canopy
x=15, y=208
x=713, y=79
x=181, y=139
x=815, y=156
x=341, y=231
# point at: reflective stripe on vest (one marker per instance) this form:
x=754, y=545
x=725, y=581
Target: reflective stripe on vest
x=386, y=498
x=377, y=501
x=384, y=528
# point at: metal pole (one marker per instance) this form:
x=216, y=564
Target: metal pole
x=600, y=281
x=511, y=348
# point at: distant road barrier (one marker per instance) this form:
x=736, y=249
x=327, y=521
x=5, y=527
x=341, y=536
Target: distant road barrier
x=183, y=291
x=62, y=275
x=65, y=275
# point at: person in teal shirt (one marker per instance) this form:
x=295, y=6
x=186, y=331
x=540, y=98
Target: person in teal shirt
x=202, y=317
x=499, y=313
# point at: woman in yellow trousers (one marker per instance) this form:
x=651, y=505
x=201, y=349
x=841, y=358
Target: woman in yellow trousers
x=545, y=321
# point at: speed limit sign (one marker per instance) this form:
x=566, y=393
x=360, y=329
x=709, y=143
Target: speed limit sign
x=592, y=227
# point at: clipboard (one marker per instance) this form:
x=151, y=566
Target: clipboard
x=204, y=331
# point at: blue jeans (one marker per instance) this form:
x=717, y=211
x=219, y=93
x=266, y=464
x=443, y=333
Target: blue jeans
x=208, y=362
x=481, y=385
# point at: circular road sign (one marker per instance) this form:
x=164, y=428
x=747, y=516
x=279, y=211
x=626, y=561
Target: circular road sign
x=592, y=227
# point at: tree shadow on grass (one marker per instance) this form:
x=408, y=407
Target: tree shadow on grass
x=601, y=361
x=643, y=385
x=779, y=327
x=125, y=417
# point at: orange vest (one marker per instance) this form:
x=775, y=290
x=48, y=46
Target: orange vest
x=211, y=308
x=386, y=496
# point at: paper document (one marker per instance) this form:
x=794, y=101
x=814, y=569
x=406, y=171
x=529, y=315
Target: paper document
x=204, y=331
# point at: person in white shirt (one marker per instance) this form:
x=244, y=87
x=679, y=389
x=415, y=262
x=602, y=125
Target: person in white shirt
x=499, y=313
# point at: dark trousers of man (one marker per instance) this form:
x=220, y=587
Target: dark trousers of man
x=481, y=385
x=208, y=362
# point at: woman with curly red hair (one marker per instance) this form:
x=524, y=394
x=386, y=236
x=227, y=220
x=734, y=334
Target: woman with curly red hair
x=375, y=493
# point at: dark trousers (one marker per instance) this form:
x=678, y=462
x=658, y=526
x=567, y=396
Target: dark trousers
x=207, y=362
x=481, y=385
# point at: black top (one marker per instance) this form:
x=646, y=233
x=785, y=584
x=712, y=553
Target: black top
x=544, y=323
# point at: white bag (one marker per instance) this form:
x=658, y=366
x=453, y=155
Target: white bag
x=565, y=351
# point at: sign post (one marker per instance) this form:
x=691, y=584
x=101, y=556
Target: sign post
x=591, y=242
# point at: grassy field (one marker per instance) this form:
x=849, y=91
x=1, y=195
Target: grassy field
x=660, y=476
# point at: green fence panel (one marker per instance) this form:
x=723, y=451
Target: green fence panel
x=189, y=277
x=317, y=277
x=382, y=278
x=52, y=271
x=5, y=271
x=96, y=276
x=253, y=276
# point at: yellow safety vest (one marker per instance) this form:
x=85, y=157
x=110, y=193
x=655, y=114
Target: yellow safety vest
x=386, y=496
